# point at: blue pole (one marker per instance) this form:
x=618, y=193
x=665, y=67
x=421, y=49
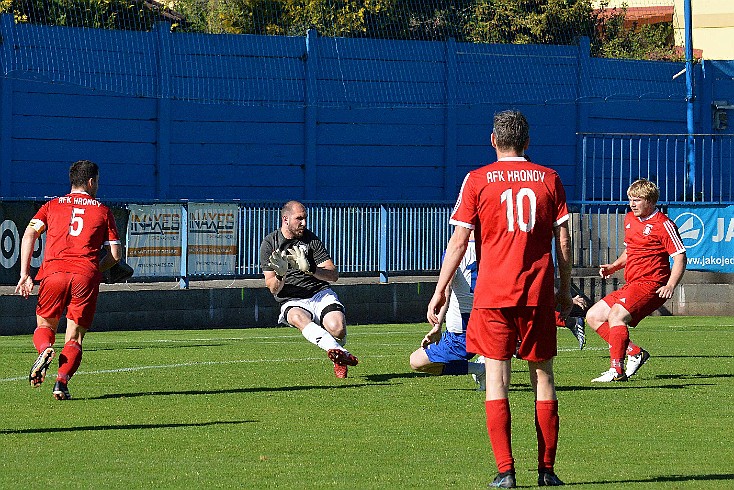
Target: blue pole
x=383, y=245
x=690, y=99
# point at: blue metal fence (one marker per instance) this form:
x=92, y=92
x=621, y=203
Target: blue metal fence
x=363, y=239
x=388, y=239
x=610, y=162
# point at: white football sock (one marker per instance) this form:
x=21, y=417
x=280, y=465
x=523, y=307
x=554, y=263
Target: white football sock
x=319, y=336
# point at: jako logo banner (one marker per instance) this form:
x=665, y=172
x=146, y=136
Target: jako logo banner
x=708, y=235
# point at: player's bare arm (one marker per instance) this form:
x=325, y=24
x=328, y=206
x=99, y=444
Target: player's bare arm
x=113, y=256
x=676, y=274
x=564, y=259
x=606, y=270
x=272, y=282
x=25, y=283
x=326, y=271
x=454, y=253
x=434, y=334
x=275, y=278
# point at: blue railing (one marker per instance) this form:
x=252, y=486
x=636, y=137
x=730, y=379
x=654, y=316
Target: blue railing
x=610, y=162
x=389, y=239
x=363, y=239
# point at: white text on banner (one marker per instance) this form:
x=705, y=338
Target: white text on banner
x=708, y=234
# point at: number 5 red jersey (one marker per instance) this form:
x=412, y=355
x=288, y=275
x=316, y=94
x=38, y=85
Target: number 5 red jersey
x=77, y=227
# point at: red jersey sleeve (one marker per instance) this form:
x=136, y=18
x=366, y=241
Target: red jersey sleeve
x=671, y=238
x=113, y=236
x=560, y=199
x=465, y=209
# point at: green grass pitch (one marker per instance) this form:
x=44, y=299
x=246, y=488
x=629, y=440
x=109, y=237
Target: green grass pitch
x=261, y=408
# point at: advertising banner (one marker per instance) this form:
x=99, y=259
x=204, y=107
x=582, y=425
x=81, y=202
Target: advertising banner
x=708, y=234
x=212, y=239
x=154, y=240
x=14, y=218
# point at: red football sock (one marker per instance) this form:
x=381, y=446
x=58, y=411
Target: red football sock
x=499, y=430
x=69, y=360
x=43, y=337
x=633, y=349
x=603, y=331
x=619, y=337
x=560, y=321
x=546, y=427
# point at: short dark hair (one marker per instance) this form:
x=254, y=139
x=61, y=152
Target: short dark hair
x=81, y=171
x=511, y=130
x=290, y=207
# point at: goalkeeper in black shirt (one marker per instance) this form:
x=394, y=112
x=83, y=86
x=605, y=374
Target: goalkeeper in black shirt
x=298, y=271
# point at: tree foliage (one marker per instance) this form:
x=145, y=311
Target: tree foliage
x=476, y=21
x=102, y=14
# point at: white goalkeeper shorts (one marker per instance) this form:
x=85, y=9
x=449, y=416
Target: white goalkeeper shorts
x=318, y=305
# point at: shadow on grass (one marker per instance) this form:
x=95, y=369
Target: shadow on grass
x=683, y=356
x=123, y=427
x=255, y=389
x=381, y=378
x=630, y=386
x=663, y=479
x=523, y=387
x=693, y=376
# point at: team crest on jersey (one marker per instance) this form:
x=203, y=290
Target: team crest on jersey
x=647, y=230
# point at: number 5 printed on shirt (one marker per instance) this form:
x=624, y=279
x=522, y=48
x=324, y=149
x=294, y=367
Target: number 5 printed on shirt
x=77, y=223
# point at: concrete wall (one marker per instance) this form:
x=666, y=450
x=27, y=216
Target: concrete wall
x=151, y=307
x=249, y=304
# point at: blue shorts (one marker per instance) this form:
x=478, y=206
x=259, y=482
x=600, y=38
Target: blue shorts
x=451, y=347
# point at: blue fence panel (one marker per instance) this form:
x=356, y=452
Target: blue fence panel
x=416, y=237
x=255, y=221
x=610, y=162
x=350, y=233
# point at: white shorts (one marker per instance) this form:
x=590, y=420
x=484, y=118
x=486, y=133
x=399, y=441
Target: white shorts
x=318, y=305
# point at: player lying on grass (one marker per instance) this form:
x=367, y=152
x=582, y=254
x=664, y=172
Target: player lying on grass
x=444, y=354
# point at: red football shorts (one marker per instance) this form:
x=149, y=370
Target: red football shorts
x=640, y=299
x=76, y=293
x=493, y=332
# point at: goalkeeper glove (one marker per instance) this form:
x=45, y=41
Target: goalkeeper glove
x=279, y=264
x=298, y=256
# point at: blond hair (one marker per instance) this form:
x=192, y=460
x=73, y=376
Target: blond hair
x=644, y=189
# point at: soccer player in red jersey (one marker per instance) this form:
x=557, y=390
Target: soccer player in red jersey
x=77, y=228
x=650, y=239
x=517, y=209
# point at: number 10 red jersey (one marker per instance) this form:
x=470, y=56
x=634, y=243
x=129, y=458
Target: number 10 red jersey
x=514, y=205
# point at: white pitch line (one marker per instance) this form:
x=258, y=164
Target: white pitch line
x=184, y=364
x=236, y=361
x=93, y=344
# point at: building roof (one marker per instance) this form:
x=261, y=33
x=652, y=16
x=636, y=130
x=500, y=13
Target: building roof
x=641, y=15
